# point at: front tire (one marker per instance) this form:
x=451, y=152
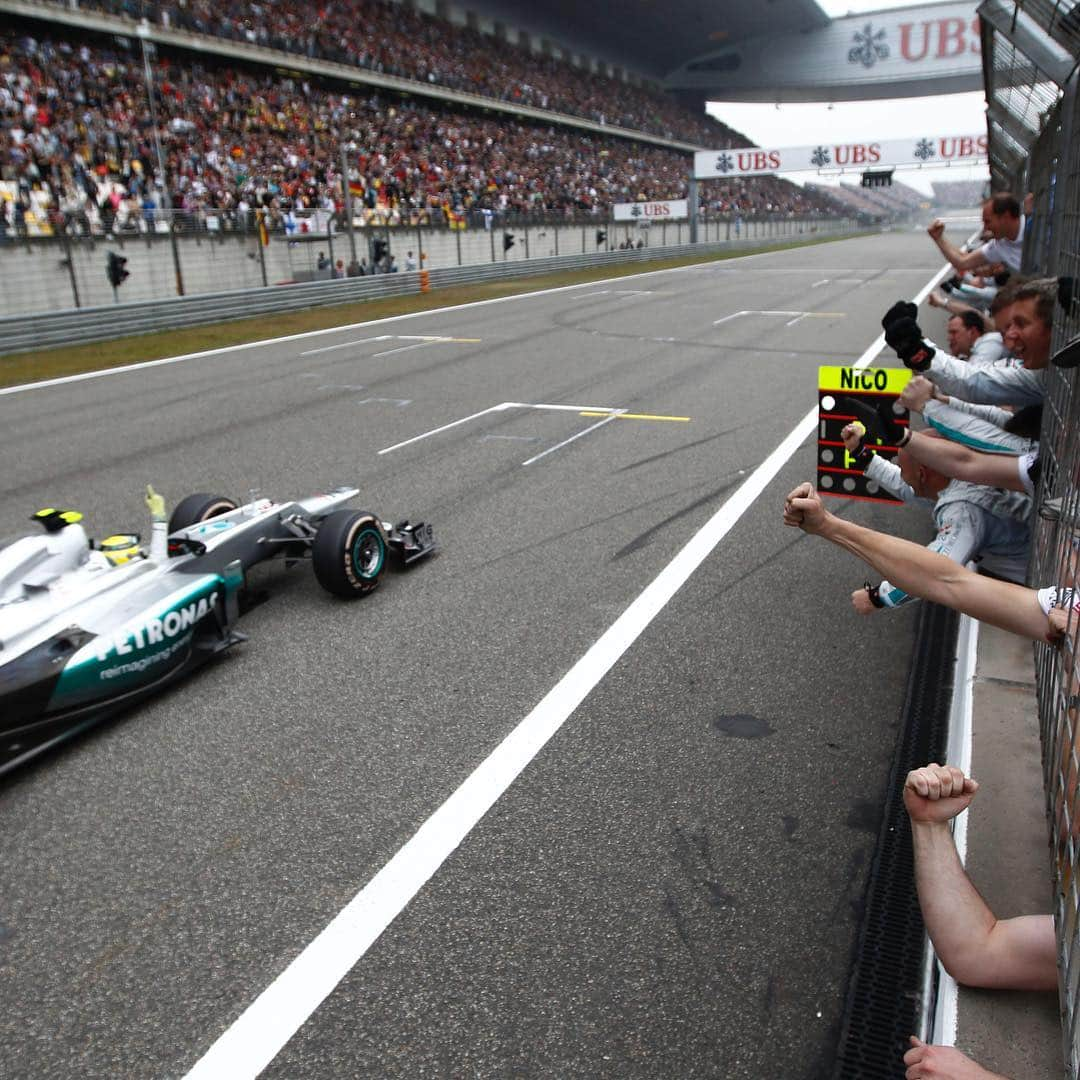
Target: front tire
x=196, y=508
x=349, y=553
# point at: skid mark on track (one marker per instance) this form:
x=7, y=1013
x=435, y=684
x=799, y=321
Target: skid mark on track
x=742, y=726
x=640, y=541
x=685, y=446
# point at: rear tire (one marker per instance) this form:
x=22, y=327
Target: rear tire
x=349, y=553
x=195, y=508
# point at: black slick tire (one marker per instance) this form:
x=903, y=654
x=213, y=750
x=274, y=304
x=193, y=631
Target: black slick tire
x=199, y=507
x=349, y=553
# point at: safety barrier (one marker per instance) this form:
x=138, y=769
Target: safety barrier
x=1030, y=51
x=44, y=330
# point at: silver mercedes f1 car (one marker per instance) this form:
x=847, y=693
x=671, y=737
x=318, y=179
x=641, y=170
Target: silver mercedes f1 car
x=88, y=629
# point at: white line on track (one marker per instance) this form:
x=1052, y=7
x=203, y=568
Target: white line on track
x=574, y=438
x=445, y=427
x=346, y=344
x=823, y=281
x=259, y=1033
x=143, y=365
x=403, y=348
x=501, y=407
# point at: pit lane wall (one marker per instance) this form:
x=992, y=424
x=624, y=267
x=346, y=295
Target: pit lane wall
x=56, y=291
x=1030, y=50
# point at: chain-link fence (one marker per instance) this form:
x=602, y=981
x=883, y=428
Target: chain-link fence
x=1030, y=51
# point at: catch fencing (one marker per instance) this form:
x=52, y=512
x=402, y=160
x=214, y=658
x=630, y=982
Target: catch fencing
x=1030, y=51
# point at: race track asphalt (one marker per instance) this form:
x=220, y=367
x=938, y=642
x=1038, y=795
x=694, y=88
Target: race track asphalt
x=672, y=886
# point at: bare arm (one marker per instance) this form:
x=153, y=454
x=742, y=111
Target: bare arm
x=957, y=307
x=974, y=946
x=926, y=1062
x=921, y=572
x=960, y=259
x=961, y=462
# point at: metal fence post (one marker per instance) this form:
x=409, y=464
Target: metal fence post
x=70, y=263
x=262, y=256
x=1062, y=179
x=692, y=199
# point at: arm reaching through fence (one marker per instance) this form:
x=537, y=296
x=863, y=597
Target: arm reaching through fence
x=923, y=573
x=974, y=946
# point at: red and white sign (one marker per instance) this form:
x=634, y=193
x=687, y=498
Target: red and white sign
x=658, y=210
x=832, y=157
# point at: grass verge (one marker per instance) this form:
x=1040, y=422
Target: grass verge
x=17, y=369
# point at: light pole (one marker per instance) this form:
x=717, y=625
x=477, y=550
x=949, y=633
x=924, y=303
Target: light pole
x=143, y=30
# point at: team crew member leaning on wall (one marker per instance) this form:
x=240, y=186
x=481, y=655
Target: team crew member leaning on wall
x=1026, y=337
x=1001, y=218
x=972, y=521
x=1041, y=614
x=974, y=946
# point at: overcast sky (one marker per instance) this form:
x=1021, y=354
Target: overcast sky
x=803, y=124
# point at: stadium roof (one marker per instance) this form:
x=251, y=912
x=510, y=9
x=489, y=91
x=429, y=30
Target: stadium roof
x=654, y=37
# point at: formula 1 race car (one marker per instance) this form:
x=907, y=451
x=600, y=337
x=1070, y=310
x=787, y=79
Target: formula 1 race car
x=87, y=629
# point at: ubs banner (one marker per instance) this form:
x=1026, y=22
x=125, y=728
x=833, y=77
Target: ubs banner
x=904, y=52
x=659, y=210
x=755, y=160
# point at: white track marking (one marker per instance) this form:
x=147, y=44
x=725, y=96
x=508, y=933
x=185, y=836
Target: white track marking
x=403, y=348
x=125, y=369
x=271, y=1020
x=823, y=281
x=727, y=269
x=573, y=438
x=799, y=315
x=561, y=408
x=347, y=344
x=445, y=427
x=502, y=407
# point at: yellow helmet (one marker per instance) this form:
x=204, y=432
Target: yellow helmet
x=121, y=548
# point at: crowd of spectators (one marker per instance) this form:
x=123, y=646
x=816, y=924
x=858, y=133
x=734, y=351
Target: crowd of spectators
x=393, y=39
x=77, y=142
x=977, y=467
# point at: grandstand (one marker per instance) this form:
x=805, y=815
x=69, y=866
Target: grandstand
x=77, y=150
x=958, y=194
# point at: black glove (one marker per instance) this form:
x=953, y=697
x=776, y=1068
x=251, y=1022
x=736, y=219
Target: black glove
x=906, y=338
x=1066, y=293
x=902, y=309
x=880, y=423
x=953, y=283
x=1068, y=356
